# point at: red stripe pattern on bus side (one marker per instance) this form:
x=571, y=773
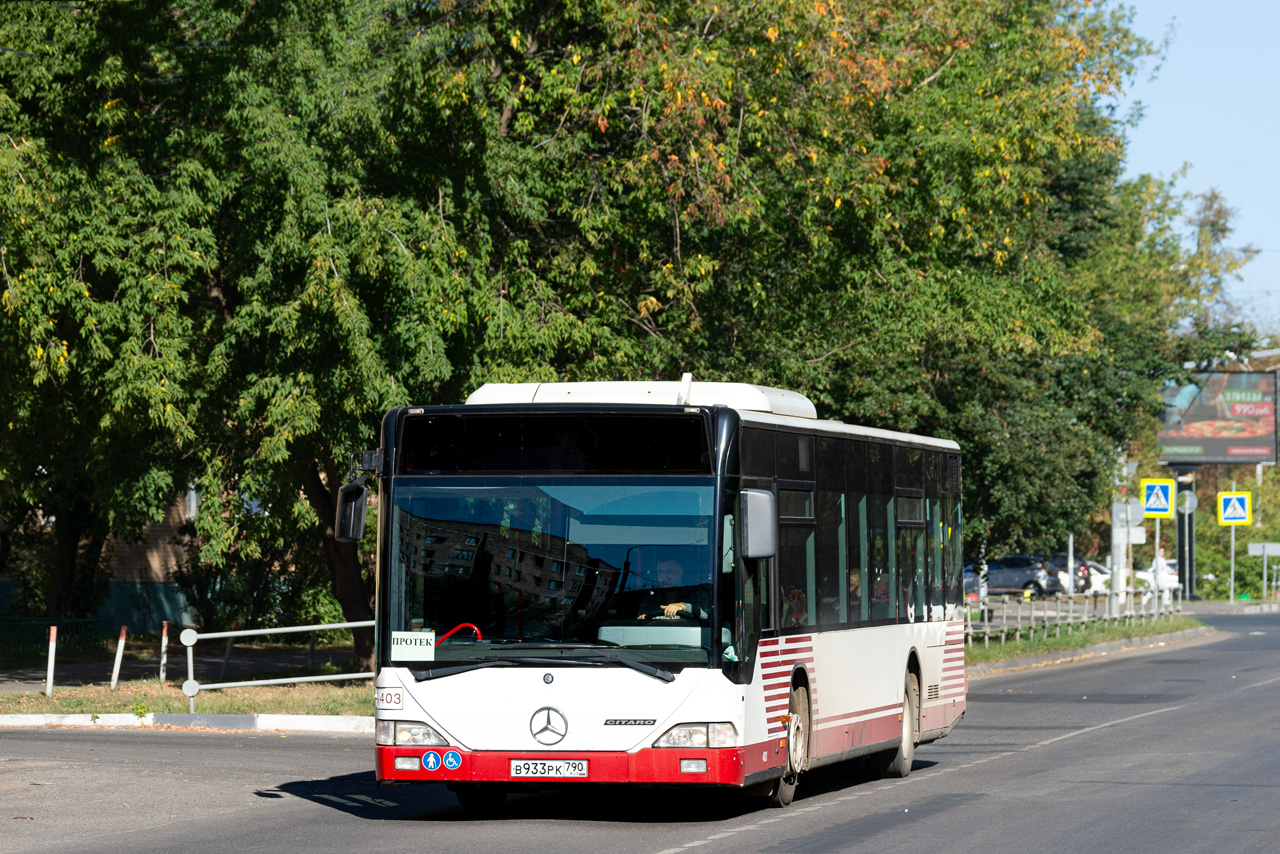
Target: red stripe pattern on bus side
x=953, y=682
x=778, y=658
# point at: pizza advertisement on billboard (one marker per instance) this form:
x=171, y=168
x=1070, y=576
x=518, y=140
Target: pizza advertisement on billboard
x=1220, y=417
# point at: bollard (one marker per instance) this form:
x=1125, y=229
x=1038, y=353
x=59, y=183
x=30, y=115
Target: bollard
x=53, y=646
x=188, y=638
x=164, y=649
x=115, y=671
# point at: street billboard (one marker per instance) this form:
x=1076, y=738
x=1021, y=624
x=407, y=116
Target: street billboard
x=1220, y=417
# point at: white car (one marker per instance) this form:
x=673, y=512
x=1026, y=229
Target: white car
x=1100, y=578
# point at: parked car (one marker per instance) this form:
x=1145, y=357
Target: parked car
x=1099, y=578
x=1079, y=576
x=1015, y=573
x=1168, y=578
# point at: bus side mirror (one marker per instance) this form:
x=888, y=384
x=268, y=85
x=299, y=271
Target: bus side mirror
x=353, y=499
x=759, y=524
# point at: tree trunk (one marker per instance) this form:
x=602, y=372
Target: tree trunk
x=343, y=559
x=68, y=525
x=7, y=526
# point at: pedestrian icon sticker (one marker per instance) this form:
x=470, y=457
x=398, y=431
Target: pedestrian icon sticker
x=1235, y=508
x=1157, y=498
x=431, y=760
x=452, y=760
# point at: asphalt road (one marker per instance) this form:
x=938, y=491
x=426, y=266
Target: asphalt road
x=1171, y=750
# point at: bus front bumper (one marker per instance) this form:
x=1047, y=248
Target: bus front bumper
x=710, y=766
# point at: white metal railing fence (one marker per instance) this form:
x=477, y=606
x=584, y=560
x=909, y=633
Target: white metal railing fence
x=1013, y=617
x=189, y=638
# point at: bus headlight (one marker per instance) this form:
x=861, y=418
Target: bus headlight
x=407, y=734
x=699, y=735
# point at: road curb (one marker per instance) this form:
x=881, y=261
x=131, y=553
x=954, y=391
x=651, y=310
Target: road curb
x=341, y=724
x=1068, y=655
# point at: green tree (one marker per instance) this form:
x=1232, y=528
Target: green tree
x=240, y=231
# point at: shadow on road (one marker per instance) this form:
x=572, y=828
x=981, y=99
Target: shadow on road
x=359, y=795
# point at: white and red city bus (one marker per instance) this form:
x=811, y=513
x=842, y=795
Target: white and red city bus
x=658, y=583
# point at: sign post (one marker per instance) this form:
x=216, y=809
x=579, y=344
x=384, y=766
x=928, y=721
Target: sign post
x=1185, y=530
x=1125, y=512
x=1234, y=509
x=1265, y=550
x=1157, y=503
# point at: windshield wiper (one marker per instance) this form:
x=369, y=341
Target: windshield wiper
x=565, y=645
x=512, y=661
x=638, y=666
x=436, y=673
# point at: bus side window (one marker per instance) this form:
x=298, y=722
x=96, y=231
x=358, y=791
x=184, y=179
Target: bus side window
x=880, y=522
x=754, y=615
x=953, y=553
x=796, y=576
x=855, y=503
x=934, y=471
x=833, y=535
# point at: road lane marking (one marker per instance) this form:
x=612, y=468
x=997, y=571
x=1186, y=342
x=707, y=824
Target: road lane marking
x=339, y=800
x=929, y=774
x=1260, y=684
x=1103, y=726
x=377, y=802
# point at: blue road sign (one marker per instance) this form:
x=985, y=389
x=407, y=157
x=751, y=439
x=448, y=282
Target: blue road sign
x=1235, y=508
x=1157, y=498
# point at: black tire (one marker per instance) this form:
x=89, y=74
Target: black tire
x=784, y=790
x=479, y=798
x=899, y=764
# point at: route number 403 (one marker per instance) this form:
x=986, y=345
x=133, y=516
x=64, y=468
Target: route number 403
x=388, y=698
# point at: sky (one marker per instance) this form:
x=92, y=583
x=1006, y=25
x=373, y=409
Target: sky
x=1214, y=105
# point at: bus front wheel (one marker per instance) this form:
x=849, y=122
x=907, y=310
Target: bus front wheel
x=900, y=760
x=784, y=791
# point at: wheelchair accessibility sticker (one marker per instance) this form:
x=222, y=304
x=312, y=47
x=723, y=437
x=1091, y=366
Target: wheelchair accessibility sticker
x=452, y=760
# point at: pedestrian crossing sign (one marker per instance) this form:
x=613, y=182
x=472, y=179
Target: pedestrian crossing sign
x=1157, y=498
x=1235, y=508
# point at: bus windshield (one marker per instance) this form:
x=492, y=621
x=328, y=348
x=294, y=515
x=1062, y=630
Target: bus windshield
x=568, y=570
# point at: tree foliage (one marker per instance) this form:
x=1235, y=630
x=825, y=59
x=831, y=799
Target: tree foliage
x=239, y=231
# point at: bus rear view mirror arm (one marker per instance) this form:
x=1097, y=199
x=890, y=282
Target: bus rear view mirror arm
x=759, y=524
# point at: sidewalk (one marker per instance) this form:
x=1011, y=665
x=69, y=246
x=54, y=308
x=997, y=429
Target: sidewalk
x=1195, y=608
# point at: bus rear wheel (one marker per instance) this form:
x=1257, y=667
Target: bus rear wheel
x=784, y=791
x=900, y=760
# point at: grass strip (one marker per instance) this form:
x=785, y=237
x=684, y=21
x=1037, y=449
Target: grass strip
x=1079, y=638
x=143, y=696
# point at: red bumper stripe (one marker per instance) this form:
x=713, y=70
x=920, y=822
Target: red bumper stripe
x=725, y=766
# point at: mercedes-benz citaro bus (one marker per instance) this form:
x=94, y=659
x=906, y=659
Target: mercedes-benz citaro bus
x=665, y=583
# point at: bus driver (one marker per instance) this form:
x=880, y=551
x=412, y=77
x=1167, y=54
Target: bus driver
x=672, y=599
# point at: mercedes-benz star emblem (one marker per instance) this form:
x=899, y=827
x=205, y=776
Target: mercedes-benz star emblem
x=548, y=726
